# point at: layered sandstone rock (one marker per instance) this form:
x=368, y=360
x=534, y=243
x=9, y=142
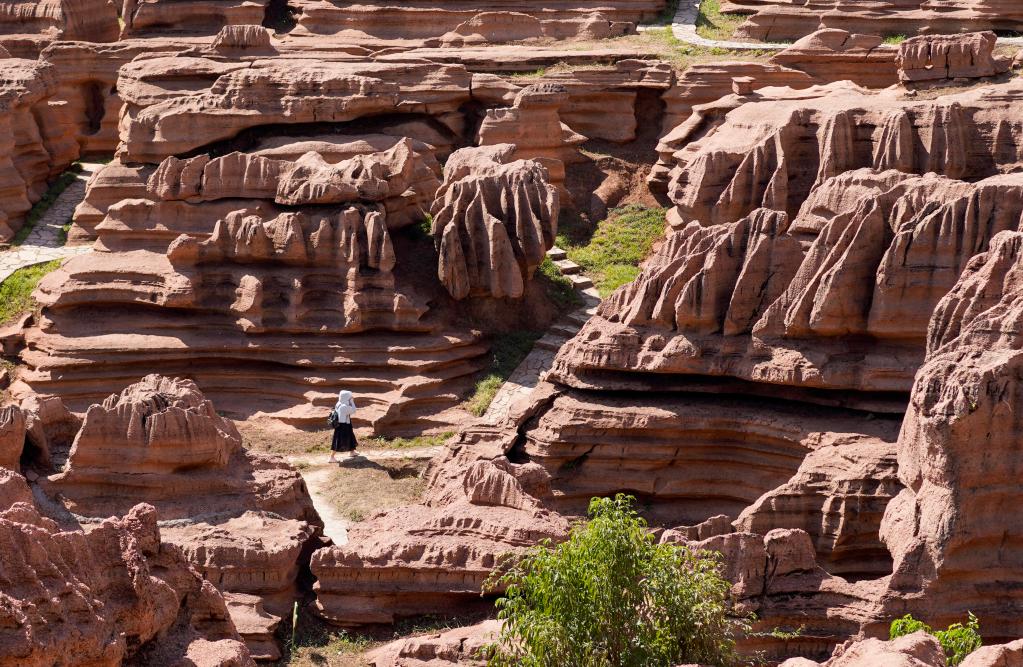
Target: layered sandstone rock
x=120, y=592
x=957, y=501
x=919, y=649
x=534, y=126
x=835, y=55
x=435, y=556
x=36, y=143
x=460, y=646
x=775, y=20
x=493, y=223
x=26, y=26
x=940, y=57
x=452, y=21
x=188, y=17
x=244, y=520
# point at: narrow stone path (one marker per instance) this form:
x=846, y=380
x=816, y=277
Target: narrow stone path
x=316, y=471
x=684, y=28
x=532, y=369
x=44, y=242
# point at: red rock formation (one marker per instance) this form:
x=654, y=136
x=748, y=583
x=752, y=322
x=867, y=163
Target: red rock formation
x=35, y=142
x=919, y=649
x=533, y=125
x=242, y=519
x=940, y=57
x=776, y=20
x=952, y=529
x=460, y=646
x=26, y=26
x=12, y=436
x=108, y=594
x=493, y=222
x=835, y=55
x=375, y=20
x=188, y=17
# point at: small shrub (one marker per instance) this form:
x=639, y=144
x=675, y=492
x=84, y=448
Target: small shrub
x=895, y=40
x=610, y=596
x=16, y=291
x=958, y=641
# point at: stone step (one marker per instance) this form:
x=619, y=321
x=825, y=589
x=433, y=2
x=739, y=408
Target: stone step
x=557, y=254
x=580, y=282
x=568, y=267
x=551, y=342
x=578, y=318
x=567, y=330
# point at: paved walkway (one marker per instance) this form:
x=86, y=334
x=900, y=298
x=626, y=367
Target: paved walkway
x=684, y=28
x=44, y=242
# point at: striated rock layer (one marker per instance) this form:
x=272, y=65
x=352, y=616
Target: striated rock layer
x=775, y=20
x=123, y=594
x=245, y=520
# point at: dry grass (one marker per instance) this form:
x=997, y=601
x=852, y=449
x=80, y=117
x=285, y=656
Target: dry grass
x=265, y=435
x=360, y=488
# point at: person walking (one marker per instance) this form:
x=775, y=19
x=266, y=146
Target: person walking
x=341, y=420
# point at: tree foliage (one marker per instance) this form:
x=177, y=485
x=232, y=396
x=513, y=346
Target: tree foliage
x=958, y=641
x=610, y=596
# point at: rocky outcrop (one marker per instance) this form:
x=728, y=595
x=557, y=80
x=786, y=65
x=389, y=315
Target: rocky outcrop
x=963, y=402
x=836, y=55
x=12, y=436
x=287, y=90
x=460, y=646
x=533, y=125
x=192, y=17
x=493, y=222
x=944, y=57
x=35, y=142
x=434, y=557
x=243, y=519
x=122, y=593
x=919, y=649
x=457, y=22
x=776, y=20
x=26, y=26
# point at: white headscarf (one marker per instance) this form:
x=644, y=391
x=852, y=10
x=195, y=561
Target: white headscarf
x=345, y=406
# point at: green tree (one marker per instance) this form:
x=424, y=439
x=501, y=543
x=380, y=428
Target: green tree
x=958, y=641
x=610, y=596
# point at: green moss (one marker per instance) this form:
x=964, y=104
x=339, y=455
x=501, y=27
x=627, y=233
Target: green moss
x=507, y=352
x=16, y=291
x=612, y=254
x=712, y=24
x=44, y=204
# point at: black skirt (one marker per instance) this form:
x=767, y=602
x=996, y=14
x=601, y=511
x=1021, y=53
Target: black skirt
x=344, y=439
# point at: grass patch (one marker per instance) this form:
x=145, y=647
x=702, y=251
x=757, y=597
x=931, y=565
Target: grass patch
x=43, y=205
x=612, y=254
x=316, y=644
x=275, y=438
x=507, y=352
x=16, y=291
x=895, y=40
x=559, y=288
x=418, y=442
x=360, y=489
x=712, y=24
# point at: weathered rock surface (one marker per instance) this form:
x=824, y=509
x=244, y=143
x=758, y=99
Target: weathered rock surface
x=28, y=25
x=35, y=142
x=777, y=20
x=243, y=519
x=941, y=57
x=493, y=222
x=120, y=593
x=452, y=21
x=459, y=646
